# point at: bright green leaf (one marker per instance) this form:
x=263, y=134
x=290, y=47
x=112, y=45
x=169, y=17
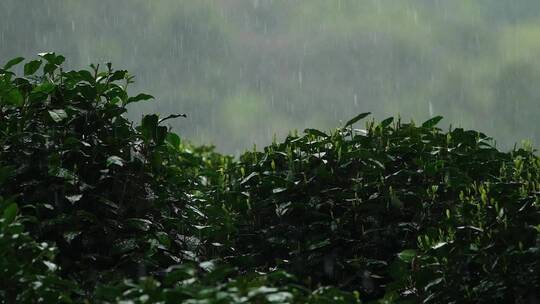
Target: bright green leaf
x=407, y=255
x=45, y=88
x=14, y=97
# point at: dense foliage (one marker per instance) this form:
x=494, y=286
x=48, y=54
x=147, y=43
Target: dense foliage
x=95, y=209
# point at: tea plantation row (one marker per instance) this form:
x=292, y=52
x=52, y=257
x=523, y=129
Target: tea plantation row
x=94, y=209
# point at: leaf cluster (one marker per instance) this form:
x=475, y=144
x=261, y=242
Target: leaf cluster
x=96, y=209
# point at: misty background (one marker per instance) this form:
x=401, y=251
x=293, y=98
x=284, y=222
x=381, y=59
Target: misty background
x=244, y=70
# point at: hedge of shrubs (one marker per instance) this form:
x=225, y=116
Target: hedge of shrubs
x=94, y=209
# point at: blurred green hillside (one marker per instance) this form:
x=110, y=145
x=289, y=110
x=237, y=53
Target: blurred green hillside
x=244, y=70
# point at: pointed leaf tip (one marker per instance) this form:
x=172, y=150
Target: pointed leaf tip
x=356, y=119
x=430, y=123
x=13, y=62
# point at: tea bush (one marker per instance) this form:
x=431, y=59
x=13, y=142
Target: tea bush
x=97, y=209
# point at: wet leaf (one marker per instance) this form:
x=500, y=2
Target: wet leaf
x=31, y=67
x=115, y=160
x=356, y=119
x=13, y=62
x=10, y=213
x=407, y=255
x=430, y=123
x=58, y=115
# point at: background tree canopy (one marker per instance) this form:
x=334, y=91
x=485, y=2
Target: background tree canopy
x=244, y=70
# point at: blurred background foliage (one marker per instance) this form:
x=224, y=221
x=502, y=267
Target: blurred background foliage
x=244, y=70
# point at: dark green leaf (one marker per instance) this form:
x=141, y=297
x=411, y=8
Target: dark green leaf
x=118, y=75
x=139, y=224
x=5, y=173
x=52, y=58
x=356, y=119
x=139, y=97
x=31, y=67
x=13, y=62
x=385, y=123
x=430, y=123
x=173, y=140
x=49, y=68
x=316, y=133
x=320, y=244
x=14, y=97
x=124, y=246
x=86, y=76
x=10, y=213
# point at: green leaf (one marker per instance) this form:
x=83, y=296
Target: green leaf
x=14, y=97
x=173, y=140
x=124, y=246
x=148, y=124
x=5, y=173
x=161, y=133
x=52, y=58
x=407, y=255
x=249, y=177
x=10, y=213
x=435, y=282
x=430, y=123
x=115, y=160
x=315, y=132
x=49, y=68
x=385, y=123
x=86, y=76
x=356, y=119
x=139, y=224
x=58, y=115
x=320, y=244
x=118, y=75
x=31, y=67
x=208, y=266
x=45, y=88
x=13, y=62
x=278, y=190
x=139, y=97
